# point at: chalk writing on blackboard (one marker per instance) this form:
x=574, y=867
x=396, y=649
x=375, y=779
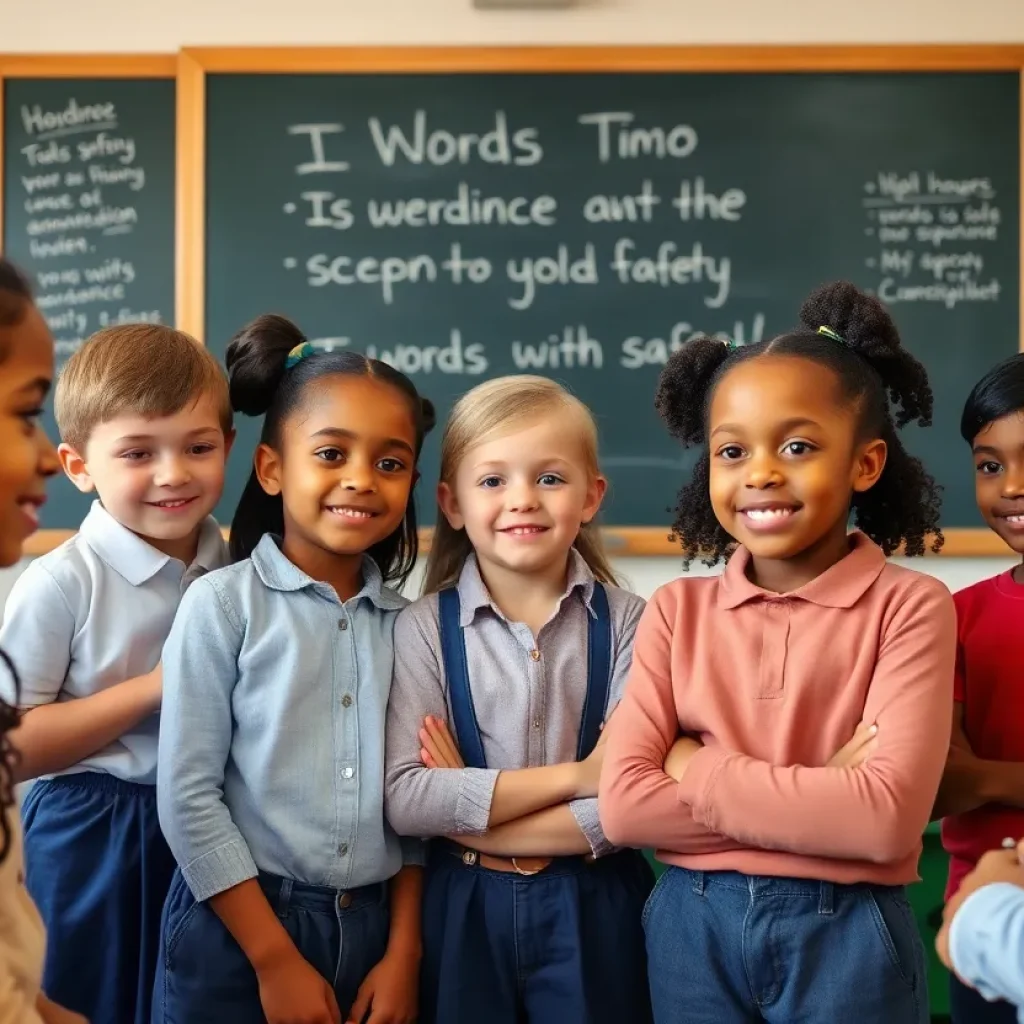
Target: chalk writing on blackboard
x=328, y=152
x=932, y=233
x=79, y=181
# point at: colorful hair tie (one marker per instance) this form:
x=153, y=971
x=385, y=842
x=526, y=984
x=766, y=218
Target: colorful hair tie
x=729, y=344
x=829, y=333
x=297, y=354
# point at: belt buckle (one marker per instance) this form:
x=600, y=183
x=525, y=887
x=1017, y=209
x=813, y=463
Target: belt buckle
x=469, y=858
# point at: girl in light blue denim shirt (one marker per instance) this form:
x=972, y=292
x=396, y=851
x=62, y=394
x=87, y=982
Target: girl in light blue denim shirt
x=293, y=898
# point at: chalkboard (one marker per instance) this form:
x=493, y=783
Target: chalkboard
x=88, y=204
x=464, y=226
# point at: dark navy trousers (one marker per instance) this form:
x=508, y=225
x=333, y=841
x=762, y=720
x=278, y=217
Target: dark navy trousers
x=205, y=978
x=98, y=869
x=968, y=1007
x=561, y=947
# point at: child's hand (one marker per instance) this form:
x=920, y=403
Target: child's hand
x=152, y=687
x=293, y=992
x=995, y=866
x=858, y=749
x=389, y=992
x=439, y=748
x=679, y=756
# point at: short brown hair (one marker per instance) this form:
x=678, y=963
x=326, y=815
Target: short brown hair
x=146, y=369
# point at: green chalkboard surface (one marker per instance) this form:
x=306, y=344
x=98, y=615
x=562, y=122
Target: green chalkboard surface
x=89, y=212
x=467, y=226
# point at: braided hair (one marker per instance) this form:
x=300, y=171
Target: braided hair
x=860, y=344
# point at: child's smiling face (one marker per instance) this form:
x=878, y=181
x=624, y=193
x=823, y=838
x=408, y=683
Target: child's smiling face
x=786, y=459
x=27, y=457
x=998, y=451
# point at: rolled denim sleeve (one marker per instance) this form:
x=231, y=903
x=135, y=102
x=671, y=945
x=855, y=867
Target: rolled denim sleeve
x=421, y=801
x=200, y=669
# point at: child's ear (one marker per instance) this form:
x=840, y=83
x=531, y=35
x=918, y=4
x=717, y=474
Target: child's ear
x=870, y=463
x=450, y=506
x=267, y=464
x=596, y=491
x=75, y=468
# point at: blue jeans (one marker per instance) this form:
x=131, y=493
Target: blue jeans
x=204, y=977
x=726, y=948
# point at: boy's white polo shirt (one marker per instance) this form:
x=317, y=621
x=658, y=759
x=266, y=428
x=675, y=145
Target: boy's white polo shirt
x=95, y=612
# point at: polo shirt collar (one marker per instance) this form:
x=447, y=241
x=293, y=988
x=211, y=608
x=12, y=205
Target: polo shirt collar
x=278, y=572
x=840, y=586
x=137, y=560
x=474, y=595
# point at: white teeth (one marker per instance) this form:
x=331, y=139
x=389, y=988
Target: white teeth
x=352, y=513
x=764, y=514
x=1017, y=520
x=522, y=531
x=172, y=504
x=30, y=509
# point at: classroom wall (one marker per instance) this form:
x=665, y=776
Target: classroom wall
x=84, y=26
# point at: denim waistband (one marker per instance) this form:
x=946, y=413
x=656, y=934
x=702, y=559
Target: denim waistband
x=284, y=893
x=756, y=886
x=100, y=782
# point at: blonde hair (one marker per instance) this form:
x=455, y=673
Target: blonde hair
x=144, y=369
x=497, y=407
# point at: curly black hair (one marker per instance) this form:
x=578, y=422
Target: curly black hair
x=887, y=384
x=8, y=760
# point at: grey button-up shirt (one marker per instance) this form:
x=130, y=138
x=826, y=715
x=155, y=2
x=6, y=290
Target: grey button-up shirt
x=272, y=732
x=528, y=694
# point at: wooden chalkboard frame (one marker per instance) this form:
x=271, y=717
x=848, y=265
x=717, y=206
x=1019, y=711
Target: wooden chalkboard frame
x=59, y=65
x=192, y=65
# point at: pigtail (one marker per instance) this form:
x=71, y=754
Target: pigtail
x=865, y=326
x=903, y=509
x=684, y=389
x=256, y=360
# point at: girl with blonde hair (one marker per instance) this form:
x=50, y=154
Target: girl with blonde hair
x=504, y=674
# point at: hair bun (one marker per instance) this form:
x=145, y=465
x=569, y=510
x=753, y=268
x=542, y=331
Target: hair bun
x=689, y=372
x=256, y=360
x=428, y=414
x=858, y=318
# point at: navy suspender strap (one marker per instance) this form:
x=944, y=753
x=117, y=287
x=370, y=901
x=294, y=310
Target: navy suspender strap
x=599, y=671
x=453, y=650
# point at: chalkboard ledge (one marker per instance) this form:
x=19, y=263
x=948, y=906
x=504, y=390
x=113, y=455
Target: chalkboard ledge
x=635, y=541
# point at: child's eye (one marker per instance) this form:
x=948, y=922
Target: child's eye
x=330, y=454
x=201, y=449
x=491, y=481
x=135, y=456
x=550, y=480
x=730, y=452
x=391, y=465
x=798, y=447
x=32, y=417
x=988, y=468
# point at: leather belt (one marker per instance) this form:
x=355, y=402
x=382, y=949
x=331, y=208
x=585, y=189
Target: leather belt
x=525, y=866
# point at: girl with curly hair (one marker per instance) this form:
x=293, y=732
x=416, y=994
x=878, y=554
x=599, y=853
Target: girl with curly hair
x=26, y=459
x=784, y=899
